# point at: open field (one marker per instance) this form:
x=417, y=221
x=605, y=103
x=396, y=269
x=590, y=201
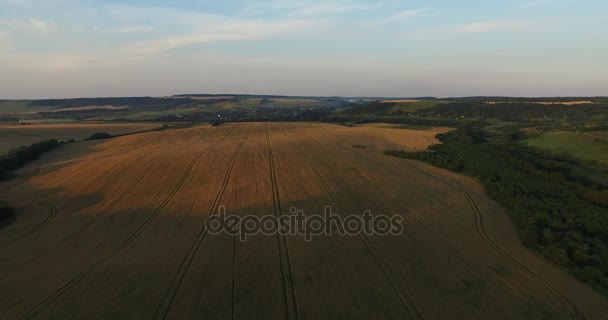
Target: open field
x=407, y=106
x=116, y=229
x=12, y=107
x=16, y=136
x=89, y=108
x=567, y=103
x=583, y=145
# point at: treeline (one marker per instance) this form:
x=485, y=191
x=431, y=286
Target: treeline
x=514, y=112
x=13, y=121
x=121, y=101
x=558, y=212
x=418, y=121
x=257, y=114
x=524, y=99
x=474, y=109
x=21, y=156
x=16, y=159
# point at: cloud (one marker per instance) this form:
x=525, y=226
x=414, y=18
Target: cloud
x=39, y=25
x=227, y=30
x=471, y=28
x=412, y=13
x=492, y=26
x=128, y=30
x=34, y=3
x=289, y=8
x=534, y=3
x=27, y=25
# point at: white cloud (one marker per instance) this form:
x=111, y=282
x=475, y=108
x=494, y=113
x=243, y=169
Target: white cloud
x=491, y=26
x=534, y=3
x=412, y=13
x=39, y=25
x=28, y=26
x=128, y=30
x=290, y=8
x=34, y=3
x=227, y=30
x=474, y=27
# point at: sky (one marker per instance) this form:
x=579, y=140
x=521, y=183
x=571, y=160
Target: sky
x=406, y=48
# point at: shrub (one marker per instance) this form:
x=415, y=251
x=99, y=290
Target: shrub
x=529, y=238
x=99, y=136
x=7, y=213
x=19, y=157
x=557, y=256
x=217, y=122
x=358, y=146
x=591, y=274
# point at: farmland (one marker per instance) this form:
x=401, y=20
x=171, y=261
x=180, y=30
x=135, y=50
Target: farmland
x=583, y=145
x=116, y=229
x=20, y=135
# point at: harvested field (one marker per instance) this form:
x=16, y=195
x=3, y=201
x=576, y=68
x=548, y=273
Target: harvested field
x=89, y=108
x=116, y=230
x=16, y=136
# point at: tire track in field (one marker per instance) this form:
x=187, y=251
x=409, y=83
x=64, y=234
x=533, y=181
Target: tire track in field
x=8, y=189
x=406, y=299
x=450, y=247
x=33, y=312
x=53, y=212
x=288, y=291
x=93, y=157
x=573, y=311
x=82, y=228
x=166, y=303
x=115, y=153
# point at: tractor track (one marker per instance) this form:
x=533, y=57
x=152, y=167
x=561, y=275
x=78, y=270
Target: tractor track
x=83, y=227
x=288, y=291
x=53, y=211
x=403, y=295
x=450, y=247
x=573, y=311
x=164, y=306
x=33, y=312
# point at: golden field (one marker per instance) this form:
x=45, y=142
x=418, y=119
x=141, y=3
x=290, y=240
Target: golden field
x=116, y=230
x=22, y=135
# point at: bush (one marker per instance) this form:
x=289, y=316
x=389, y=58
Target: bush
x=217, y=122
x=529, y=238
x=99, y=136
x=358, y=146
x=19, y=157
x=7, y=213
x=557, y=256
x=5, y=174
x=590, y=274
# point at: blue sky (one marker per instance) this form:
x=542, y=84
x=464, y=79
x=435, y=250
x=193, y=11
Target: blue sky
x=66, y=48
